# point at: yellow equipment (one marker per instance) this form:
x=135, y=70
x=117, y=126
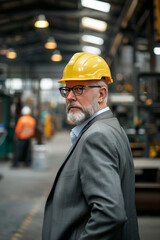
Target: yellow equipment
x=86, y=66
x=48, y=126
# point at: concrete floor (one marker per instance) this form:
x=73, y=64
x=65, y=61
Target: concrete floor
x=23, y=193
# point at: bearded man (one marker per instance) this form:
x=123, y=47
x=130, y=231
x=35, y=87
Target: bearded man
x=92, y=197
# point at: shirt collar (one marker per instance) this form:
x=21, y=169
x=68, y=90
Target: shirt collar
x=76, y=130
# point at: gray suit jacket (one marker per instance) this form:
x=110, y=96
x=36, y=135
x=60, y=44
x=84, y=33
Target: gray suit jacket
x=92, y=197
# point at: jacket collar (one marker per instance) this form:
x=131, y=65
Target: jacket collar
x=105, y=115
x=77, y=129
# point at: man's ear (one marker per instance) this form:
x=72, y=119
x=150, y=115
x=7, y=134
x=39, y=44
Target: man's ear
x=102, y=94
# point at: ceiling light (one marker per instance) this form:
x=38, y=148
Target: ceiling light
x=90, y=49
x=93, y=39
x=11, y=54
x=56, y=57
x=96, y=5
x=14, y=83
x=46, y=83
x=156, y=50
x=50, y=44
x=94, y=24
x=41, y=22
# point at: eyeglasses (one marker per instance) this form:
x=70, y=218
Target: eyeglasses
x=77, y=90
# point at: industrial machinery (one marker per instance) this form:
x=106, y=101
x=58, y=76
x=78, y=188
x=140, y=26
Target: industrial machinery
x=6, y=130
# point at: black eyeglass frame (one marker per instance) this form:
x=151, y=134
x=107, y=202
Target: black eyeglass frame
x=68, y=89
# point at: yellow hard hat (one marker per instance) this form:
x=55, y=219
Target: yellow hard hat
x=86, y=66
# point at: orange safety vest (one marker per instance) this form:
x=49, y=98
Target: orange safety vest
x=25, y=127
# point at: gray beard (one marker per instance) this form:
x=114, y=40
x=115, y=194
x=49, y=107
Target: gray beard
x=76, y=118
x=84, y=113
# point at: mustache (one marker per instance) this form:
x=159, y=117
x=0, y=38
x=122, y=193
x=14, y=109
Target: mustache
x=70, y=105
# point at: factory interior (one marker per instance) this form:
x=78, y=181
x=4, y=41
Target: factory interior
x=37, y=39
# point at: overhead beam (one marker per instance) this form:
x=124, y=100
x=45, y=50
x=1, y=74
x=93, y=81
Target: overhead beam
x=157, y=5
x=125, y=16
x=54, y=13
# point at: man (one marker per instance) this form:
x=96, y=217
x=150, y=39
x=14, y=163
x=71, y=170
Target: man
x=25, y=130
x=92, y=197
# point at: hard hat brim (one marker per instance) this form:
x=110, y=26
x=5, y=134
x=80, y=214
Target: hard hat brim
x=64, y=80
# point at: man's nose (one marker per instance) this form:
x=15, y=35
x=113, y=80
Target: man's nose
x=71, y=95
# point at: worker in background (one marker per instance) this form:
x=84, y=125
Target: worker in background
x=24, y=131
x=93, y=195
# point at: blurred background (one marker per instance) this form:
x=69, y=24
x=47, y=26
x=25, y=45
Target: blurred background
x=37, y=39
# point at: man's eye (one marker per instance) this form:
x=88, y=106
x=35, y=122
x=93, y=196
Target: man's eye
x=66, y=90
x=78, y=89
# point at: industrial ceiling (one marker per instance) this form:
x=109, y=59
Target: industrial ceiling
x=128, y=22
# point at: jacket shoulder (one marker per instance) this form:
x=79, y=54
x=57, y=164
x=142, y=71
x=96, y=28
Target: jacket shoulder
x=104, y=125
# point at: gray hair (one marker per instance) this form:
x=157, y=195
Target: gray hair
x=102, y=83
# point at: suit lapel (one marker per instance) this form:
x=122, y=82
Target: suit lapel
x=106, y=115
x=101, y=116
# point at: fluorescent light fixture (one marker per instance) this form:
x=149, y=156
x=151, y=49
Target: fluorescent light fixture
x=17, y=84
x=90, y=49
x=94, y=24
x=93, y=39
x=14, y=83
x=156, y=50
x=96, y=5
x=46, y=83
